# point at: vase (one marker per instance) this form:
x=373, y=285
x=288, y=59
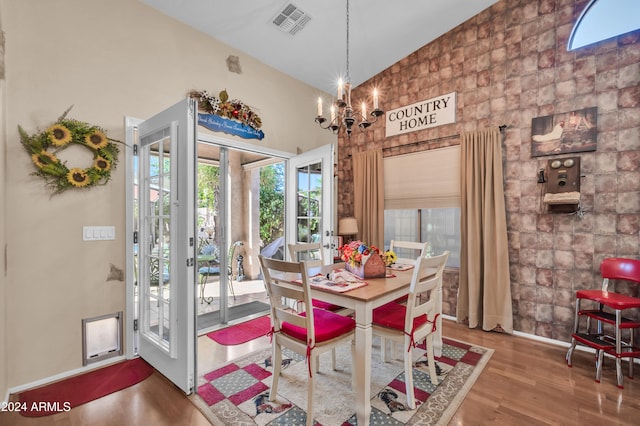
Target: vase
x=373, y=268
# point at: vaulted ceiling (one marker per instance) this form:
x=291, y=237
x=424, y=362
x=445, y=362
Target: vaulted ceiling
x=309, y=43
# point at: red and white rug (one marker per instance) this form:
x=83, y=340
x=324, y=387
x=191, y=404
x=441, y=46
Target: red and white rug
x=238, y=392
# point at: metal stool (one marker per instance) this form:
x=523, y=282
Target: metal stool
x=615, y=304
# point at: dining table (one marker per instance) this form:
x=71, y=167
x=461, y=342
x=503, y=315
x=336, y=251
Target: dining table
x=363, y=300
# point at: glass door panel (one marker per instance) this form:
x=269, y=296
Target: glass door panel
x=156, y=324
x=166, y=243
x=310, y=198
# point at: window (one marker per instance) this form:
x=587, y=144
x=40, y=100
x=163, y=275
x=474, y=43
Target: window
x=440, y=227
x=422, y=200
x=602, y=20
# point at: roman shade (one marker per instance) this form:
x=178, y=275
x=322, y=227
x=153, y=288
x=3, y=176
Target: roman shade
x=426, y=179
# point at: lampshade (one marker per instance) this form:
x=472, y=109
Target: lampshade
x=348, y=226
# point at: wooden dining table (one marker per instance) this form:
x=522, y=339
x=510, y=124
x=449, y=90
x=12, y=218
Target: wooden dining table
x=363, y=301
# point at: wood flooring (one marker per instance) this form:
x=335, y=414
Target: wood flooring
x=525, y=383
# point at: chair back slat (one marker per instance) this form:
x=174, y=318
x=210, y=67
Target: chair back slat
x=407, y=250
x=309, y=252
x=278, y=276
x=426, y=282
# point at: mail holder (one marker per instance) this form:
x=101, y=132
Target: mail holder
x=373, y=268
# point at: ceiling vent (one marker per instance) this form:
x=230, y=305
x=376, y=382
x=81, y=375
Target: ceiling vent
x=291, y=19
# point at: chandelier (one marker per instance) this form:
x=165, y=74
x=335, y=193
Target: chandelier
x=342, y=114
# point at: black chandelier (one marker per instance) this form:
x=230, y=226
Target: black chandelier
x=342, y=113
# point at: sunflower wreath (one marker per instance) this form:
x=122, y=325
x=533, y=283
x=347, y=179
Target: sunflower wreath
x=233, y=109
x=62, y=134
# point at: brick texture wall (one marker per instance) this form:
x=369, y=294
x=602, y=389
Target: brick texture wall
x=508, y=65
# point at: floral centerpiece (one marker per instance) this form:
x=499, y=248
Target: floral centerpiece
x=365, y=261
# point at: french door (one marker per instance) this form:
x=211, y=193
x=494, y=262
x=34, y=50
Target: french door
x=166, y=243
x=310, y=192
x=161, y=296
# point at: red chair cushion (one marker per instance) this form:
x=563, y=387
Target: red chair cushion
x=608, y=298
x=328, y=325
x=392, y=316
x=325, y=305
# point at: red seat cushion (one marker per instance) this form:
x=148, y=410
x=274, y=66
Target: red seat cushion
x=392, y=316
x=608, y=298
x=328, y=325
x=325, y=305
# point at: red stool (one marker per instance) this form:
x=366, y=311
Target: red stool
x=615, y=303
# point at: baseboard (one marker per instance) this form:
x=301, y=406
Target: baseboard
x=550, y=341
x=61, y=376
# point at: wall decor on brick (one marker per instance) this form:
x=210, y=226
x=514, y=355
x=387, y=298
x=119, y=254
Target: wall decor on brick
x=574, y=131
x=510, y=64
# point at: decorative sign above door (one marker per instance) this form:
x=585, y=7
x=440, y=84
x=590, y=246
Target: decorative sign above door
x=422, y=115
x=229, y=116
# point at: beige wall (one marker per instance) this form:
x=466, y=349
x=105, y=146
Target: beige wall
x=3, y=204
x=108, y=59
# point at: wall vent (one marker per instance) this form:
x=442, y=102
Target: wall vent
x=291, y=19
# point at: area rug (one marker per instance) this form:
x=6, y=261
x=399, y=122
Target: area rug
x=243, y=332
x=238, y=393
x=212, y=319
x=77, y=390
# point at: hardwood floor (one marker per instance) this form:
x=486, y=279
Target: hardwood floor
x=525, y=383
x=528, y=383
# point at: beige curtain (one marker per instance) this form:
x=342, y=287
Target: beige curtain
x=368, y=193
x=484, y=296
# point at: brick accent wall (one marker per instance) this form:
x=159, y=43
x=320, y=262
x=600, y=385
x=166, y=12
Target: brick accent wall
x=508, y=65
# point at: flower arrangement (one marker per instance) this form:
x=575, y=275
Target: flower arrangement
x=233, y=109
x=357, y=253
x=66, y=132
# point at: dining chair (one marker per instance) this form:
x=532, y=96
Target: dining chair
x=409, y=250
x=309, y=334
x=312, y=254
x=417, y=319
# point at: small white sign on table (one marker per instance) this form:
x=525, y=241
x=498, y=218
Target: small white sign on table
x=422, y=115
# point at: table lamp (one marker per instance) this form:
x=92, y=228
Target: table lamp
x=347, y=226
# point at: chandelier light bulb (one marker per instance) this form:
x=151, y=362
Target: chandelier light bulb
x=342, y=113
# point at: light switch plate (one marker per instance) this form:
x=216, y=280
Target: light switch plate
x=98, y=233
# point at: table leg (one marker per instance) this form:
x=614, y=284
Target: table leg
x=362, y=370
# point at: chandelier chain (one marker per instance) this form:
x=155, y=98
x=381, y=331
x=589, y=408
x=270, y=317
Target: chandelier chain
x=348, y=76
x=343, y=115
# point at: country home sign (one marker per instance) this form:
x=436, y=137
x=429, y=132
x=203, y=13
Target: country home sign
x=422, y=115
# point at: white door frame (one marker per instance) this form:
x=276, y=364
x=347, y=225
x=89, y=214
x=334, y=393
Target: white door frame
x=131, y=126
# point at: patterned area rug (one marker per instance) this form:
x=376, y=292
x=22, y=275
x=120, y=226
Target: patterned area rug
x=238, y=393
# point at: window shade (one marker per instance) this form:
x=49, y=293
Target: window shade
x=426, y=179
